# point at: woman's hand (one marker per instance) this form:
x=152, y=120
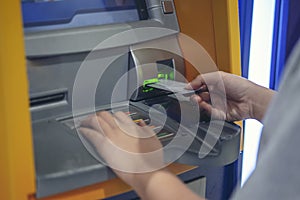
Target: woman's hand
x=135, y=154
x=127, y=148
x=229, y=97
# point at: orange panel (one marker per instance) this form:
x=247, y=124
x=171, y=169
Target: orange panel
x=16, y=150
x=195, y=19
x=214, y=25
x=106, y=189
x=227, y=35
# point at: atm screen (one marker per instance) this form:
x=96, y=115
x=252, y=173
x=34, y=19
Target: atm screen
x=43, y=15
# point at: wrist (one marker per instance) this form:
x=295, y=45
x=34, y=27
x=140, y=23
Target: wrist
x=142, y=181
x=259, y=100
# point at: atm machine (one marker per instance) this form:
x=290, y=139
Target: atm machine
x=88, y=56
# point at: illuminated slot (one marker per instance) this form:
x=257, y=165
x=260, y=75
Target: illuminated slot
x=164, y=135
x=150, y=81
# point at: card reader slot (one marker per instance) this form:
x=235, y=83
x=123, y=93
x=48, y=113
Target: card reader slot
x=48, y=98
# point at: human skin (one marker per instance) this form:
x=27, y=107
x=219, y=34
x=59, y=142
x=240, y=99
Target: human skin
x=104, y=129
x=242, y=98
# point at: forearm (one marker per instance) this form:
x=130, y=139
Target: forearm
x=260, y=98
x=162, y=185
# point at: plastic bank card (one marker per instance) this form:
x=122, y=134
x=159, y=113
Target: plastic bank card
x=172, y=86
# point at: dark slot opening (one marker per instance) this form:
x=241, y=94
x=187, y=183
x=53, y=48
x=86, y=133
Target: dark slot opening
x=48, y=99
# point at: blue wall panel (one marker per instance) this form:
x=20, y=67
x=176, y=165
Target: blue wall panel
x=286, y=35
x=245, y=15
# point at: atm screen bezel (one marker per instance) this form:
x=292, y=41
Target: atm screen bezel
x=39, y=16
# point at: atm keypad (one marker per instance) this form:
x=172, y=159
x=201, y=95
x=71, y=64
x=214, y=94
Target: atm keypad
x=162, y=133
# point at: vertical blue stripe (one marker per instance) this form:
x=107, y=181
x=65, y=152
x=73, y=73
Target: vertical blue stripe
x=279, y=42
x=293, y=29
x=245, y=15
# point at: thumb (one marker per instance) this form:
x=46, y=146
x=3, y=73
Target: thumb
x=195, y=84
x=205, y=79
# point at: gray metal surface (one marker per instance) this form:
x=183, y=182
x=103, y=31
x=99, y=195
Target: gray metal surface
x=228, y=147
x=61, y=161
x=52, y=74
x=78, y=40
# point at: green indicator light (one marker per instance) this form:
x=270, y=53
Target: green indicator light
x=160, y=76
x=171, y=76
x=150, y=81
x=148, y=90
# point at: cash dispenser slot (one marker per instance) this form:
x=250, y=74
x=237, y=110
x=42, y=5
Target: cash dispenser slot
x=48, y=98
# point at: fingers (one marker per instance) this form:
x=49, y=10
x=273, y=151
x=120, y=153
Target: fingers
x=142, y=123
x=97, y=140
x=201, y=81
x=93, y=136
x=92, y=123
x=107, y=129
x=206, y=106
x=123, y=118
x=202, y=102
x=103, y=123
x=205, y=96
x=108, y=118
x=108, y=125
x=215, y=113
x=196, y=83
